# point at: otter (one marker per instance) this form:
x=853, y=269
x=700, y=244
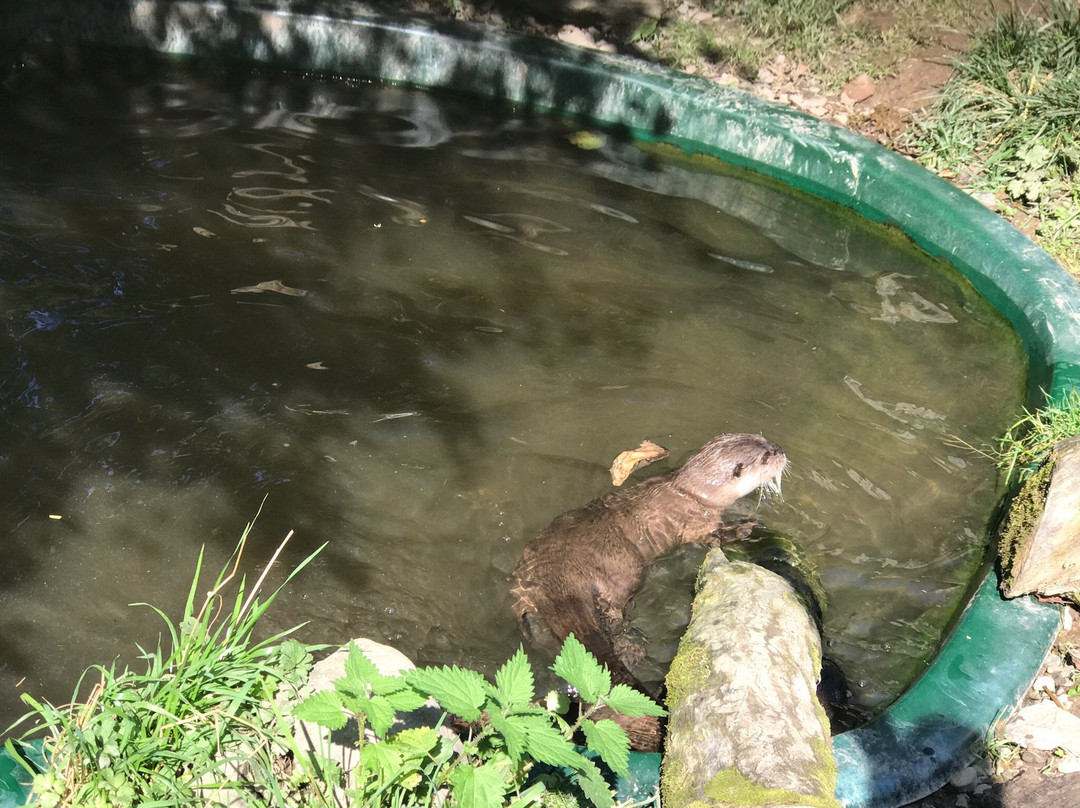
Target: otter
x=576, y=576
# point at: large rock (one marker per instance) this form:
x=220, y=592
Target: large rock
x=745, y=726
x=1040, y=551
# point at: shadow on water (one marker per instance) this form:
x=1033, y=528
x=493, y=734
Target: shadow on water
x=59, y=414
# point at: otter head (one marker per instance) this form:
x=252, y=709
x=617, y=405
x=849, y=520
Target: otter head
x=729, y=467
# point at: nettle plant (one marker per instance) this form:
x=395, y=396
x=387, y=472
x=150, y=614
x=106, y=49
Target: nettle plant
x=488, y=765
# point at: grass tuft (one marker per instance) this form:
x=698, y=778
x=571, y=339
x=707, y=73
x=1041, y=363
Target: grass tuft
x=1007, y=122
x=1029, y=441
x=202, y=710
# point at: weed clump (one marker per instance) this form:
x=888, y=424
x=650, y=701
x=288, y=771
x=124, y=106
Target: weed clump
x=209, y=722
x=1007, y=121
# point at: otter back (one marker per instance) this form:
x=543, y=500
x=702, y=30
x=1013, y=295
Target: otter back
x=576, y=576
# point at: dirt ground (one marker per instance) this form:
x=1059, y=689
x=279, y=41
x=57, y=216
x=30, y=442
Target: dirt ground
x=882, y=108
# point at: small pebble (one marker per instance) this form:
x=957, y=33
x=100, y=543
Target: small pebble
x=1042, y=683
x=961, y=801
x=965, y=779
x=859, y=88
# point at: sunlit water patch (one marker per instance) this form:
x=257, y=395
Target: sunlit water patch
x=420, y=329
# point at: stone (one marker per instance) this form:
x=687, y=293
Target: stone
x=745, y=725
x=340, y=745
x=1043, y=683
x=965, y=779
x=1044, y=726
x=572, y=35
x=1040, y=538
x=859, y=88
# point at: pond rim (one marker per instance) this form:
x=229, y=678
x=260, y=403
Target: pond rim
x=915, y=745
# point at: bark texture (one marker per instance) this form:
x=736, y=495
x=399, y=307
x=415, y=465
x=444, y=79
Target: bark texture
x=745, y=726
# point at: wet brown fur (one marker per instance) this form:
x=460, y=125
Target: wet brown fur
x=576, y=576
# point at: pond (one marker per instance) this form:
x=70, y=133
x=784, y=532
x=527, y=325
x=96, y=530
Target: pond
x=420, y=328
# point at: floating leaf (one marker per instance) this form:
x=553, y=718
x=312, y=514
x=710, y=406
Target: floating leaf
x=609, y=741
x=632, y=459
x=580, y=668
x=630, y=702
x=587, y=141
x=459, y=691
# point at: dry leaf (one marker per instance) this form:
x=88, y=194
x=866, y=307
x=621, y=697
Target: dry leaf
x=270, y=286
x=629, y=461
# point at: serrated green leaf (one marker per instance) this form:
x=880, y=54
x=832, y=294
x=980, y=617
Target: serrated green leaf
x=632, y=703
x=381, y=759
x=380, y=714
x=353, y=694
x=482, y=787
x=594, y=786
x=324, y=708
x=415, y=742
x=546, y=744
x=459, y=691
x=514, y=681
x=358, y=667
x=580, y=668
x=609, y=741
x=406, y=699
x=512, y=730
x=386, y=685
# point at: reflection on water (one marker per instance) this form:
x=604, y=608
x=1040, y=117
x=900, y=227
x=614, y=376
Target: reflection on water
x=421, y=329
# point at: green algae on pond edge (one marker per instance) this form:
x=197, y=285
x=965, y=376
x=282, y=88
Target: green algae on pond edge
x=1024, y=513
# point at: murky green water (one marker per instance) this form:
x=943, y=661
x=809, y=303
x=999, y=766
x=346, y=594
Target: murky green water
x=421, y=329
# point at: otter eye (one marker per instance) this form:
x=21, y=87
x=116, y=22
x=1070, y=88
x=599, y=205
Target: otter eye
x=737, y=471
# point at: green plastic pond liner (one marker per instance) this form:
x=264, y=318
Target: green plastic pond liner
x=14, y=778
x=936, y=727
x=997, y=646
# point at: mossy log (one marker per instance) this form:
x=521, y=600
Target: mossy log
x=1039, y=547
x=745, y=726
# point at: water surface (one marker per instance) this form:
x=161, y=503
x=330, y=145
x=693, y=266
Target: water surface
x=420, y=329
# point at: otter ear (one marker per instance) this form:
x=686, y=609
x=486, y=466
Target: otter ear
x=737, y=471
